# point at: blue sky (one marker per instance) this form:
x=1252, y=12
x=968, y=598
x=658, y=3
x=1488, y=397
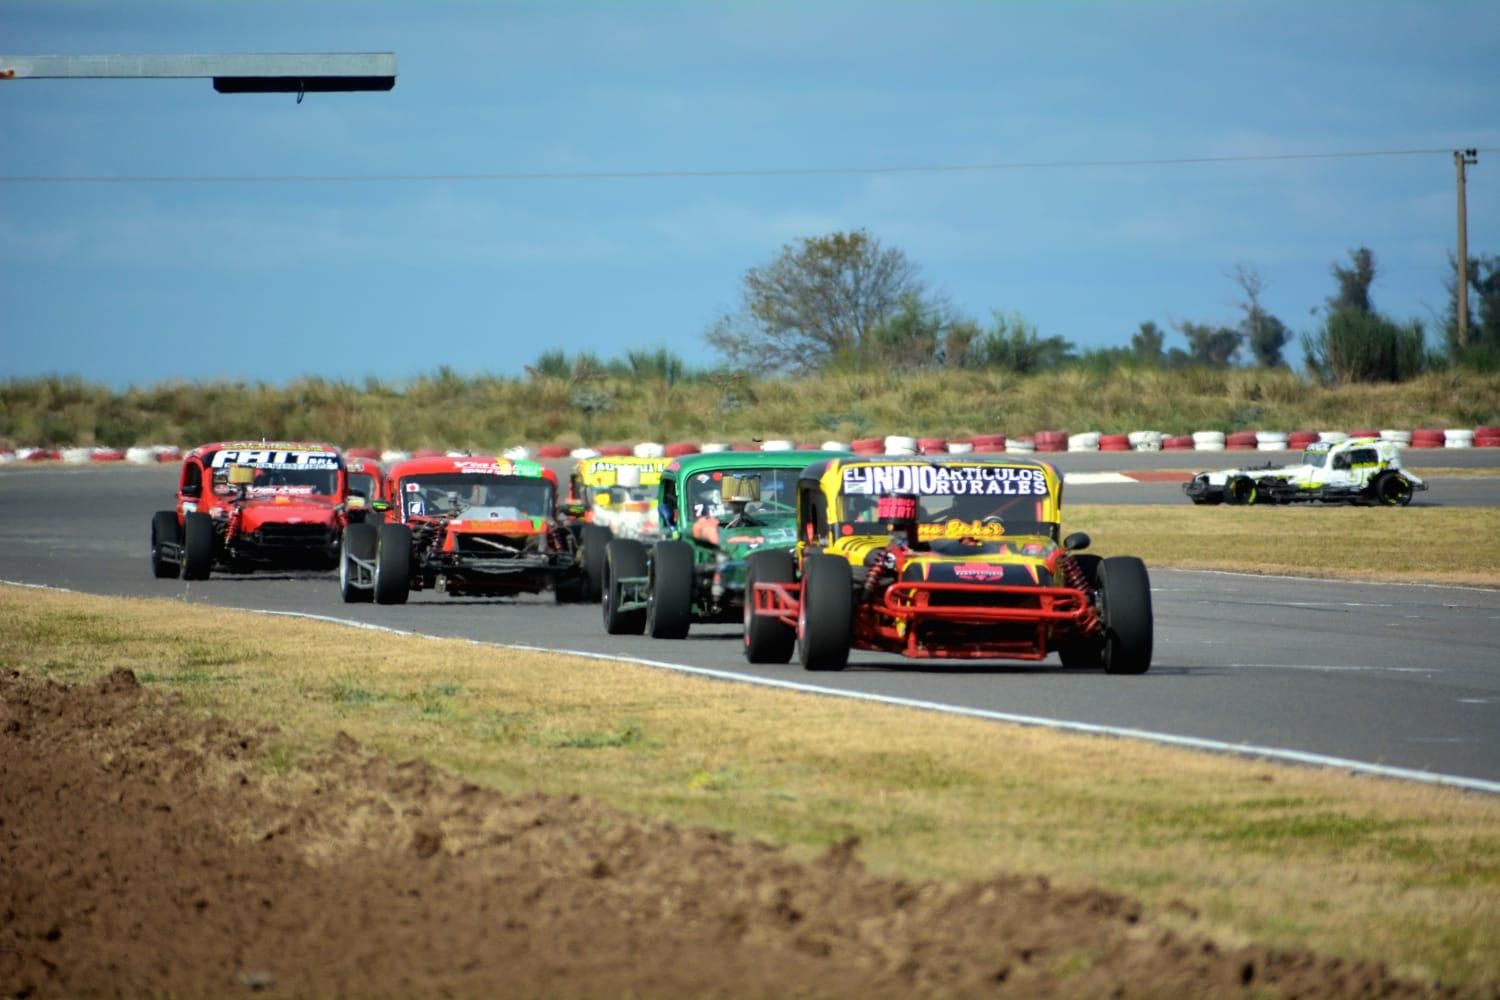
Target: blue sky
x=137, y=283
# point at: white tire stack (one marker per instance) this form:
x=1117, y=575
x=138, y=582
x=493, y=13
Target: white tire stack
x=1087, y=441
x=900, y=444
x=140, y=455
x=777, y=444
x=1019, y=446
x=1208, y=440
x=960, y=447
x=650, y=449
x=516, y=454
x=81, y=456
x=1145, y=440
x=835, y=446
x=393, y=455
x=1402, y=438
x=583, y=453
x=1332, y=437
x=712, y=447
x=1458, y=438
x=1271, y=440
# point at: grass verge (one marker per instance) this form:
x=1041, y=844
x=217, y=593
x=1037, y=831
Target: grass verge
x=1288, y=856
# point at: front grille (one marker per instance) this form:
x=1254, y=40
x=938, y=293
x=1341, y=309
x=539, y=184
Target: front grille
x=983, y=599
x=292, y=536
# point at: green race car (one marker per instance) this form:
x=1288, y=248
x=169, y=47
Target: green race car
x=715, y=510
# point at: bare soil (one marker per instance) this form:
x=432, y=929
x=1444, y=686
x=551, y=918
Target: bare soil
x=147, y=851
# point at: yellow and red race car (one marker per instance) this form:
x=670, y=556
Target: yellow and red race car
x=943, y=558
x=612, y=497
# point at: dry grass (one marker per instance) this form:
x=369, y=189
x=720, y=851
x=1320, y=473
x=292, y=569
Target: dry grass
x=1415, y=544
x=1298, y=857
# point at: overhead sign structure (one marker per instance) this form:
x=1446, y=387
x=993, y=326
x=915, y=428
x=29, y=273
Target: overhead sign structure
x=235, y=73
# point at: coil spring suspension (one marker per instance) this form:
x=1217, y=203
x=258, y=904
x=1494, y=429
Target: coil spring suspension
x=558, y=538
x=1075, y=575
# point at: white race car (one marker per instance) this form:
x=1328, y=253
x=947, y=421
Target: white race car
x=1361, y=470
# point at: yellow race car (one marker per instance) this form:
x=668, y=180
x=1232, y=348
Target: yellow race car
x=956, y=558
x=612, y=497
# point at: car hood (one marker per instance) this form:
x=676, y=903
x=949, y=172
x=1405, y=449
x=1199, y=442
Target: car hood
x=1024, y=560
x=287, y=510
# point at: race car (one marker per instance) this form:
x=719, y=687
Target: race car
x=943, y=558
x=1362, y=470
x=611, y=497
x=714, y=511
x=247, y=505
x=464, y=526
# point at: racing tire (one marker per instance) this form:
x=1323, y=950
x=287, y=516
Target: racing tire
x=1391, y=489
x=669, y=591
x=825, y=615
x=593, y=540
x=622, y=558
x=768, y=640
x=164, y=528
x=198, y=541
x=360, y=541
x=1125, y=607
x=1241, y=491
x=393, y=564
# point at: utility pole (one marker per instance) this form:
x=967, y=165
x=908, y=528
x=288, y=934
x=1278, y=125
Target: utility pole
x=1463, y=158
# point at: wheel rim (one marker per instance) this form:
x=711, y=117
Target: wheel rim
x=344, y=569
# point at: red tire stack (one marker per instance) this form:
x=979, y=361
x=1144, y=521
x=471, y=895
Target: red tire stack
x=1364, y=434
x=988, y=442
x=614, y=450
x=1240, y=441
x=1051, y=440
x=428, y=453
x=1177, y=442
x=1114, y=442
x=677, y=448
x=1428, y=437
x=932, y=446
x=551, y=451
x=1487, y=437
x=106, y=455
x=867, y=446
x=370, y=453
x=1297, y=440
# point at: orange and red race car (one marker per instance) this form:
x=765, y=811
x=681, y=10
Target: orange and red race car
x=246, y=505
x=464, y=526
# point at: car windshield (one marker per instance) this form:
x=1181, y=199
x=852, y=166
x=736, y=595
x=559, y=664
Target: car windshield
x=362, y=482
x=485, y=497
x=1316, y=459
x=273, y=482
x=617, y=495
x=777, y=490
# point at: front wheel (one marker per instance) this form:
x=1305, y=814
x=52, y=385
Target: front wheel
x=768, y=640
x=593, y=541
x=1241, y=490
x=1125, y=606
x=623, y=559
x=198, y=542
x=165, y=531
x=669, y=593
x=1392, y=489
x=393, y=564
x=825, y=616
x=360, y=541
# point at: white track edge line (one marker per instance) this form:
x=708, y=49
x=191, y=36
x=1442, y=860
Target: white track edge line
x=1249, y=750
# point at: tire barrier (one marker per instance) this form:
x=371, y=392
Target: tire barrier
x=1271, y=440
x=1364, y=434
x=1050, y=441
x=1087, y=441
x=1020, y=446
x=777, y=444
x=835, y=446
x=614, y=450
x=988, y=442
x=1143, y=440
x=1427, y=437
x=75, y=456
x=1297, y=440
x=1208, y=440
x=649, y=449
x=582, y=453
x=679, y=448
x=1333, y=437
x=931, y=446
x=393, y=455
x=1240, y=441
x=106, y=455
x=552, y=451
x=1396, y=437
x=867, y=446
x=516, y=454
x=744, y=446
x=1177, y=442
x=900, y=444
x=1487, y=437
x=1458, y=438
x=140, y=456
x=371, y=453
x=427, y=453
x=960, y=447
x=713, y=447
x=1114, y=442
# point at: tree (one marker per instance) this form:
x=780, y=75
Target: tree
x=1146, y=343
x=1264, y=333
x=819, y=299
x=1210, y=346
x=1016, y=345
x=1354, y=283
x=1483, y=348
x=1357, y=344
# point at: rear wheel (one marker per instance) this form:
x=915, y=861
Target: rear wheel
x=622, y=558
x=360, y=541
x=1125, y=606
x=1241, y=490
x=1392, y=489
x=593, y=541
x=826, y=614
x=393, y=564
x=165, y=530
x=669, y=593
x=767, y=640
x=198, y=541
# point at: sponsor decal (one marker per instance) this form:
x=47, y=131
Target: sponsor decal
x=943, y=480
x=981, y=572
x=745, y=540
x=960, y=529
x=275, y=458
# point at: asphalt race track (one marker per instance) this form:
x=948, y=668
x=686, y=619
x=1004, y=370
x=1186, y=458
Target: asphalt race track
x=1387, y=676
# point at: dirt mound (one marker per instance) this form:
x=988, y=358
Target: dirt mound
x=145, y=851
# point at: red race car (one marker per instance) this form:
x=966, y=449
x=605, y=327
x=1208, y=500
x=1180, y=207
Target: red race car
x=466, y=526
x=247, y=505
x=366, y=486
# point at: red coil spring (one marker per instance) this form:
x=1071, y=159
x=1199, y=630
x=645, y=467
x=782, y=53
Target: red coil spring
x=1075, y=575
x=872, y=575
